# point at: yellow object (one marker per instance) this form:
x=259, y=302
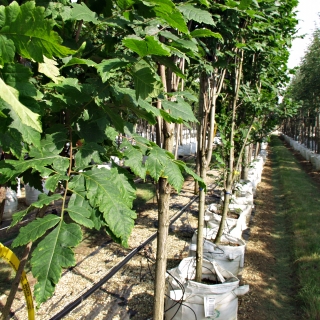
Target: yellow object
x=12, y=259
x=215, y=129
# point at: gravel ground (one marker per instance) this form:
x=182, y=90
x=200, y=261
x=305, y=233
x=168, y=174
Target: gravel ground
x=129, y=293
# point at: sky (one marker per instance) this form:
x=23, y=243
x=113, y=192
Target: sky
x=308, y=19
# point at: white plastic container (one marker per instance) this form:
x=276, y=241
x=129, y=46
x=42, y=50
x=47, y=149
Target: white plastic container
x=230, y=257
x=11, y=204
x=32, y=194
x=202, y=301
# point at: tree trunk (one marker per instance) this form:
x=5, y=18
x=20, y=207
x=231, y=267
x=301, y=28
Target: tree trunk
x=3, y=192
x=256, y=152
x=161, y=258
x=202, y=117
x=229, y=181
x=245, y=166
x=163, y=212
x=178, y=140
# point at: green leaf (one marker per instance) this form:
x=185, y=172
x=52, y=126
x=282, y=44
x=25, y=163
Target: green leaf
x=244, y=4
x=171, y=16
x=50, y=69
x=80, y=215
x=7, y=50
x=18, y=76
x=199, y=33
x=115, y=118
x=31, y=32
x=111, y=133
x=45, y=200
x=18, y=216
x=88, y=152
x=35, y=229
x=78, y=199
x=173, y=173
x=82, y=12
x=205, y=2
x=125, y=4
x=146, y=81
x=54, y=142
x=179, y=110
x=123, y=181
x=164, y=4
x=76, y=61
x=168, y=118
x=156, y=162
x=111, y=195
x=39, y=163
x=148, y=46
x=193, y=174
x=148, y=107
x=196, y=14
x=179, y=43
x=26, y=116
x=52, y=182
x=107, y=68
x=133, y=159
x=28, y=134
x=51, y=255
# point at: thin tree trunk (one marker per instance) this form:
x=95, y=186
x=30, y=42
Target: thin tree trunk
x=161, y=257
x=178, y=139
x=203, y=101
x=256, y=150
x=3, y=192
x=163, y=212
x=228, y=188
x=207, y=105
x=245, y=166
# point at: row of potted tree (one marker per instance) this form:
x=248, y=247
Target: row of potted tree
x=217, y=293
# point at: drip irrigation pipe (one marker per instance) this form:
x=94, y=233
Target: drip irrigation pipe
x=116, y=268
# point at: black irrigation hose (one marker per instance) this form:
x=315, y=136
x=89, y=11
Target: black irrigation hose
x=115, y=269
x=108, y=276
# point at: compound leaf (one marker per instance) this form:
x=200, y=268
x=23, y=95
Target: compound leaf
x=112, y=196
x=51, y=255
x=35, y=229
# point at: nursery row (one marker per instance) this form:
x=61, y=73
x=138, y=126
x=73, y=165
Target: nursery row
x=308, y=154
x=216, y=295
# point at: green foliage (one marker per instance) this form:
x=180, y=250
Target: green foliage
x=25, y=30
x=147, y=46
x=146, y=81
x=196, y=14
x=51, y=255
x=179, y=109
x=10, y=96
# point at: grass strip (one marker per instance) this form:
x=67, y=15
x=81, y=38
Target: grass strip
x=299, y=199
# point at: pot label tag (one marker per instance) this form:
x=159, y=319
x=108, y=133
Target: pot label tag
x=209, y=306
